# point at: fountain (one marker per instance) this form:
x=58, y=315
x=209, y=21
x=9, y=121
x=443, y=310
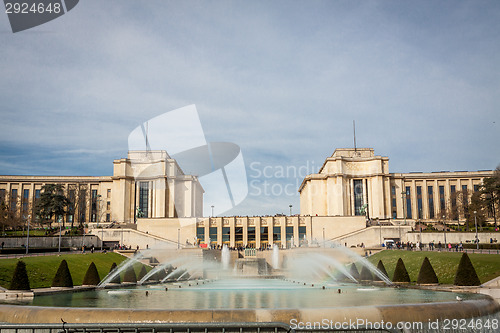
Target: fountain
x=310, y=284
x=276, y=257
x=225, y=257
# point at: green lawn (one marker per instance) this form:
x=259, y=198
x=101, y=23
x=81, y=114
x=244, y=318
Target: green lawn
x=444, y=263
x=41, y=270
x=33, y=232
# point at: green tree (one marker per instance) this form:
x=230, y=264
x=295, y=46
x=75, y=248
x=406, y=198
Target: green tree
x=466, y=274
x=91, y=276
x=52, y=203
x=427, y=275
x=9, y=216
x=400, y=272
x=490, y=193
x=63, y=276
x=20, y=279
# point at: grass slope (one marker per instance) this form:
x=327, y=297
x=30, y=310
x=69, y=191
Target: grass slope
x=41, y=270
x=445, y=264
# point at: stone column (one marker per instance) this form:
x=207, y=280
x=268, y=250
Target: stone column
x=232, y=223
x=257, y=232
x=295, y=221
x=245, y=230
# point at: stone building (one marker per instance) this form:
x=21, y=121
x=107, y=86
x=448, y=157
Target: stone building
x=150, y=189
x=357, y=182
x=146, y=184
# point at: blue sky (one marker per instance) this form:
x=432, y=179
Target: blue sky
x=282, y=79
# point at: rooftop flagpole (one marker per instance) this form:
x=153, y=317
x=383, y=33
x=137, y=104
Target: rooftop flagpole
x=354, y=130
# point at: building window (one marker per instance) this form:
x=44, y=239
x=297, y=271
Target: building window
x=264, y=234
x=442, y=203
x=226, y=234
x=302, y=234
x=277, y=233
x=238, y=235
x=419, y=201
x=93, y=215
x=476, y=188
x=144, y=198
x=108, y=206
x=2, y=195
x=109, y=193
x=454, y=210
x=430, y=196
x=251, y=235
x=408, y=202
x=200, y=234
x=289, y=233
x=108, y=217
x=26, y=198
x=13, y=200
x=465, y=201
x=37, y=194
x=393, y=190
x=358, y=196
x=212, y=233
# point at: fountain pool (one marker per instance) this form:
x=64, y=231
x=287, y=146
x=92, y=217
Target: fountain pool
x=305, y=285
x=246, y=294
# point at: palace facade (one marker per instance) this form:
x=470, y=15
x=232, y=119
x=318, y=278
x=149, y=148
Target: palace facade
x=146, y=184
x=355, y=182
x=150, y=190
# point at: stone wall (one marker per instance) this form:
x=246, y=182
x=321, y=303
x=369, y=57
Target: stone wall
x=50, y=241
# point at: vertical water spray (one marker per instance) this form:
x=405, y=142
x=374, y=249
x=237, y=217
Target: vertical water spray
x=226, y=257
x=276, y=257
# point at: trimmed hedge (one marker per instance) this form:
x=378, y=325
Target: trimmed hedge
x=381, y=268
x=20, y=280
x=63, y=276
x=366, y=274
x=116, y=279
x=427, y=275
x=400, y=272
x=142, y=273
x=354, y=272
x=91, y=277
x=466, y=274
x=130, y=275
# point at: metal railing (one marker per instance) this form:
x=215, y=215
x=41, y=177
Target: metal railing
x=275, y=327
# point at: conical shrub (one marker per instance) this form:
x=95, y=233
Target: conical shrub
x=116, y=279
x=142, y=273
x=366, y=274
x=466, y=274
x=381, y=268
x=160, y=275
x=400, y=272
x=91, y=276
x=354, y=271
x=63, y=276
x=427, y=275
x=20, y=279
x=130, y=275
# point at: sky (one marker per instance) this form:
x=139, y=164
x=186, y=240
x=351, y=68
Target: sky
x=283, y=80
